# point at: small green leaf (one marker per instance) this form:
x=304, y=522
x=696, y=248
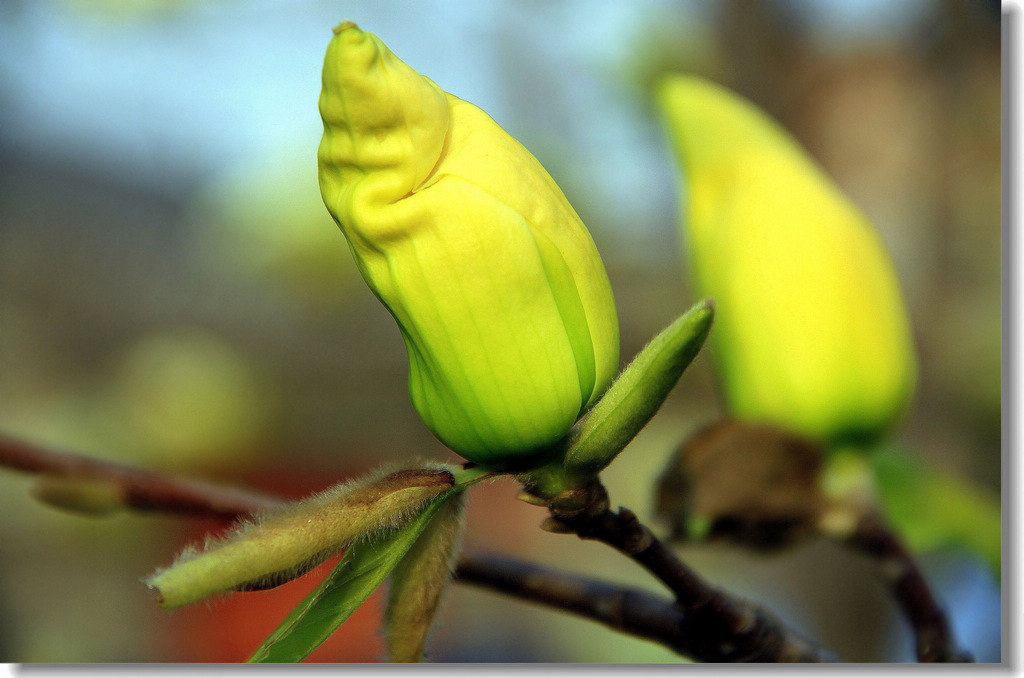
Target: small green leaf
x=418, y=582
x=638, y=392
x=362, y=569
x=933, y=508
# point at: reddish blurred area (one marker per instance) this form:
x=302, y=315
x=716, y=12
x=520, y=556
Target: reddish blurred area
x=231, y=627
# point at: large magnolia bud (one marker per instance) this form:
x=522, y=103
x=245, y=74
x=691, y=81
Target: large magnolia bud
x=496, y=285
x=811, y=331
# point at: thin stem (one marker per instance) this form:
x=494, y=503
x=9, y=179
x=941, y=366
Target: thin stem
x=718, y=627
x=623, y=609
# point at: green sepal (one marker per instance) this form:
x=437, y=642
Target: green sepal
x=637, y=393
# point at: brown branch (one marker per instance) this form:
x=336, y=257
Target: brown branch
x=138, y=489
x=704, y=623
x=910, y=590
x=623, y=609
x=709, y=615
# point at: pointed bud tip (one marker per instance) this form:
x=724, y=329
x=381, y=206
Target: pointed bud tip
x=531, y=498
x=156, y=592
x=703, y=311
x=344, y=26
x=556, y=526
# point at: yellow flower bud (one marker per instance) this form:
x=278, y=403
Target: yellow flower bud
x=811, y=332
x=496, y=285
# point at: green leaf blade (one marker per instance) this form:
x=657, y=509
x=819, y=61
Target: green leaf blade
x=933, y=508
x=418, y=582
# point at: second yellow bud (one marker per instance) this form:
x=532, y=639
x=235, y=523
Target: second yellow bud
x=811, y=332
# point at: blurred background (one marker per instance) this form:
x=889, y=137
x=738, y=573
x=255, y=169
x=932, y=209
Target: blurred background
x=174, y=295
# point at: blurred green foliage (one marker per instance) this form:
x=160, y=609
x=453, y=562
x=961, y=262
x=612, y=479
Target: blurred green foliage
x=934, y=509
